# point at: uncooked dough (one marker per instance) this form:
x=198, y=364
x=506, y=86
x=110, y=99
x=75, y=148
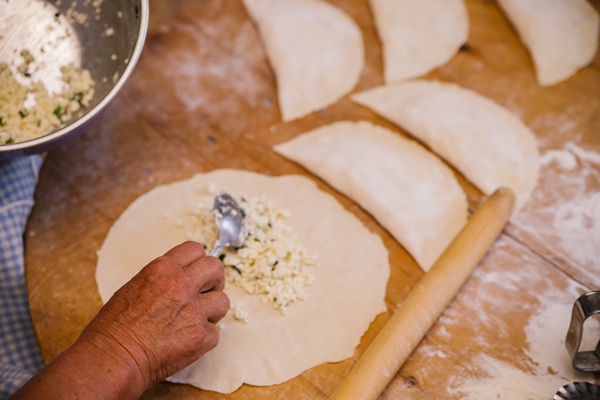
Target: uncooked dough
x=405, y=187
x=348, y=292
x=315, y=49
x=419, y=35
x=562, y=35
x=483, y=140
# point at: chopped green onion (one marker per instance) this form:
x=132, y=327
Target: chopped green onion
x=22, y=114
x=237, y=269
x=77, y=96
x=9, y=141
x=222, y=257
x=57, y=111
x=243, y=211
x=1, y=122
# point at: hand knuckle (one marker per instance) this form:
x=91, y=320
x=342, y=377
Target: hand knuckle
x=159, y=266
x=211, y=340
x=214, y=265
x=223, y=301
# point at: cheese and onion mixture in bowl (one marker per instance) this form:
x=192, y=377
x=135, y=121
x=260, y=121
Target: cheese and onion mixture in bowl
x=30, y=111
x=271, y=263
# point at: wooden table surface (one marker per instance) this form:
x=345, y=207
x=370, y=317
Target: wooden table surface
x=203, y=97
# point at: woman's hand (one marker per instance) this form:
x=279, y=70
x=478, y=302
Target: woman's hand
x=156, y=324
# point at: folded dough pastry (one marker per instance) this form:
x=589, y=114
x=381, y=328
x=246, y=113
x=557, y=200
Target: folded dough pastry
x=488, y=144
x=315, y=49
x=562, y=35
x=348, y=292
x=410, y=191
x=419, y=35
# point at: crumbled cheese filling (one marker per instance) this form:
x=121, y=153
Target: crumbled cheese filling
x=271, y=263
x=239, y=313
x=30, y=112
x=73, y=16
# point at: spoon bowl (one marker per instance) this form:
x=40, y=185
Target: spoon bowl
x=231, y=223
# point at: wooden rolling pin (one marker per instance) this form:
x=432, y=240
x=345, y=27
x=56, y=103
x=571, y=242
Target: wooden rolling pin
x=409, y=324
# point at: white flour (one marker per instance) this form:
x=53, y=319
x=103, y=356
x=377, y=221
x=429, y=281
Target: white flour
x=191, y=73
x=201, y=79
x=564, y=159
x=584, y=155
x=545, y=361
x=577, y=223
x=473, y=342
x=504, y=382
x=563, y=217
x=545, y=336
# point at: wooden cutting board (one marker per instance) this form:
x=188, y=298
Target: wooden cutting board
x=203, y=97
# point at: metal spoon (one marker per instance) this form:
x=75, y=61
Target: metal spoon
x=230, y=221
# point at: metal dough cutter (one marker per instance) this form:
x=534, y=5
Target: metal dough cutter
x=586, y=305
x=578, y=391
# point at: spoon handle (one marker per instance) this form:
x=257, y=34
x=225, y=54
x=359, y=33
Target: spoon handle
x=215, y=251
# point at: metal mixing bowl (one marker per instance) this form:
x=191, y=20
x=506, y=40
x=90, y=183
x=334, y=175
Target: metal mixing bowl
x=103, y=36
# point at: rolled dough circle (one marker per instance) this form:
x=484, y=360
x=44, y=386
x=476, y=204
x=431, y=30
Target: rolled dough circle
x=348, y=292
